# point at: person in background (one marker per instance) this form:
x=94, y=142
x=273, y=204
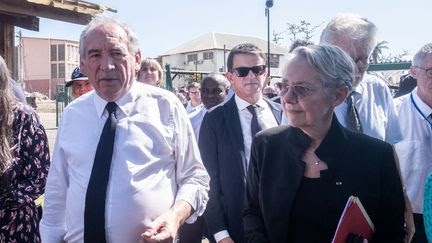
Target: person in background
x=369, y=106
x=79, y=82
x=298, y=43
x=406, y=85
x=194, y=102
x=24, y=164
x=301, y=176
x=269, y=92
x=182, y=95
x=124, y=169
x=150, y=72
x=214, y=90
x=225, y=138
x=415, y=150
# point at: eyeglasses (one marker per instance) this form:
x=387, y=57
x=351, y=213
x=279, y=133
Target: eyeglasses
x=427, y=70
x=244, y=71
x=298, y=91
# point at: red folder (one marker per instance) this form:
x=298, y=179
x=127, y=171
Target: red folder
x=354, y=220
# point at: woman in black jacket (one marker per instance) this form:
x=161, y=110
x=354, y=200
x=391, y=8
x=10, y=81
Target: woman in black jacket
x=301, y=176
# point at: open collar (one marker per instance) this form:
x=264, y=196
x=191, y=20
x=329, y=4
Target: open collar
x=124, y=103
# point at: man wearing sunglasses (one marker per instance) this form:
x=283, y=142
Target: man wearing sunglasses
x=225, y=139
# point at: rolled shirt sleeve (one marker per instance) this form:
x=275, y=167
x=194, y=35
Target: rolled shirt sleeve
x=191, y=175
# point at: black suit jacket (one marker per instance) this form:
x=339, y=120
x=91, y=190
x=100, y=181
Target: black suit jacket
x=357, y=165
x=222, y=150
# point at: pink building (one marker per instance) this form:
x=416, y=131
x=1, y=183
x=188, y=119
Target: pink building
x=47, y=62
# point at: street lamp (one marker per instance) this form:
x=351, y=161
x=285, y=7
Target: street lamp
x=269, y=4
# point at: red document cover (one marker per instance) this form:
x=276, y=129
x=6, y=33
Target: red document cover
x=354, y=220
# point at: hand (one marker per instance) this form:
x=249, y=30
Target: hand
x=226, y=240
x=409, y=220
x=163, y=229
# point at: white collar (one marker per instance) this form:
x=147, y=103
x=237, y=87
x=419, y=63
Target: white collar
x=423, y=107
x=124, y=102
x=243, y=104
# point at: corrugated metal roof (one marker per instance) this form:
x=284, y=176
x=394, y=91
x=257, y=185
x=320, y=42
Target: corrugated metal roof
x=216, y=40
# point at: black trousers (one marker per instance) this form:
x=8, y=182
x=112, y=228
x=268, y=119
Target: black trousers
x=420, y=234
x=192, y=233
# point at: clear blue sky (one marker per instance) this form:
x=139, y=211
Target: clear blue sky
x=165, y=24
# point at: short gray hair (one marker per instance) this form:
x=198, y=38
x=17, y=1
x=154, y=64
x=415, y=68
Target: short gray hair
x=97, y=21
x=218, y=78
x=334, y=66
x=352, y=27
x=421, y=54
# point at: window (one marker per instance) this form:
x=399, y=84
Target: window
x=208, y=55
x=61, y=52
x=192, y=57
x=53, y=52
x=53, y=70
x=61, y=71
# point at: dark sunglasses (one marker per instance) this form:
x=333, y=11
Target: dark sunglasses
x=244, y=71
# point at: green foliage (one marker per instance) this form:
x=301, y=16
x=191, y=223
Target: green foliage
x=304, y=30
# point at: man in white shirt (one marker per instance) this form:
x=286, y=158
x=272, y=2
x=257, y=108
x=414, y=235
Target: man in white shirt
x=214, y=90
x=415, y=149
x=373, y=106
x=225, y=140
x=194, y=103
x=153, y=181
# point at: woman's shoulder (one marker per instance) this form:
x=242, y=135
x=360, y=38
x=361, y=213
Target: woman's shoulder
x=24, y=114
x=364, y=146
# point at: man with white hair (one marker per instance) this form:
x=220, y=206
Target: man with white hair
x=415, y=150
x=369, y=108
x=124, y=169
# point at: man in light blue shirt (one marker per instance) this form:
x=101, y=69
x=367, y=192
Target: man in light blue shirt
x=371, y=97
x=415, y=149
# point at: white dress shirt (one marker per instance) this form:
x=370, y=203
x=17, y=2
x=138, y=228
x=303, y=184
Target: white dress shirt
x=155, y=162
x=190, y=108
x=196, y=119
x=376, y=110
x=265, y=118
x=415, y=150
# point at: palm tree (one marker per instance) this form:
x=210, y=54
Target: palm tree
x=378, y=51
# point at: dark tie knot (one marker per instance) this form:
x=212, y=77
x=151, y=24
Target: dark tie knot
x=251, y=109
x=111, y=107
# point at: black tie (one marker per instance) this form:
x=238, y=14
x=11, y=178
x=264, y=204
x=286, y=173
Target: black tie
x=94, y=213
x=255, y=126
x=353, y=119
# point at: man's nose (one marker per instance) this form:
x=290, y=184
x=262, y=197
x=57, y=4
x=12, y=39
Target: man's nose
x=107, y=63
x=251, y=74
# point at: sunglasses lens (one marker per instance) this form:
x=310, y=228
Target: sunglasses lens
x=244, y=71
x=258, y=70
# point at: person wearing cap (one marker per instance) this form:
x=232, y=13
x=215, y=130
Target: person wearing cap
x=79, y=82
